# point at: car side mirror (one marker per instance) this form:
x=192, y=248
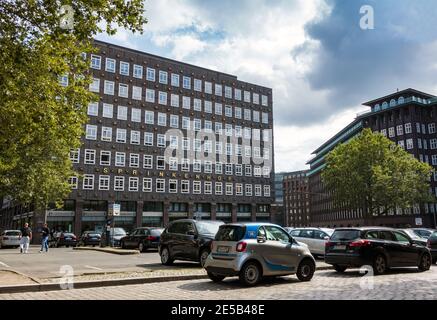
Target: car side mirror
x=261, y=239
x=326, y=238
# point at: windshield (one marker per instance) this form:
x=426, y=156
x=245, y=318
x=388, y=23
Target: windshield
x=207, y=227
x=411, y=233
x=118, y=232
x=12, y=233
x=230, y=233
x=156, y=232
x=423, y=233
x=345, y=235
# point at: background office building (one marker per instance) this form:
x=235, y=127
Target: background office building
x=296, y=199
x=409, y=119
x=219, y=128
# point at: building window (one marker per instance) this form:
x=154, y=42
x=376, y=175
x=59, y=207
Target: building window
x=433, y=144
x=228, y=92
x=133, y=184
x=174, y=121
x=173, y=164
x=174, y=100
x=197, y=166
x=161, y=141
x=122, y=113
x=197, y=105
x=91, y=132
x=218, y=168
x=108, y=87
x=148, y=162
x=95, y=85
x=121, y=136
x=120, y=159
x=218, y=108
x=265, y=118
x=218, y=188
x=228, y=111
x=96, y=62
x=134, y=160
x=138, y=71
x=106, y=134
x=384, y=132
x=208, y=167
x=229, y=189
x=160, y=185
x=88, y=182
x=408, y=128
x=173, y=142
x=135, y=137
x=149, y=117
x=258, y=190
x=160, y=163
x=187, y=83
x=248, y=190
x=238, y=189
x=163, y=98
x=218, y=90
x=391, y=132
x=208, y=87
x=208, y=106
x=150, y=74
x=229, y=169
x=90, y=156
x=162, y=119
x=124, y=68
x=118, y=183
x=208, y=126
x=410, y=144
x=266, y=190
x=238, y=169
x=228, y=130
x=123, y=90
x=401, y=144
x=207, y=187
x=175, y=80
x=198, y=85
x=248, y=170
x=104, y=182
x=73, y=182
x=110, y=65
x=238, y=112
x=105, y=158
x=256, y=98
x=147, y=184
x=148, y=139
x=218, y=128
x=256, y=116
x=400, y=130
x=93, y=109
x=197, y=124
x=246, y=96
x=75, y=155
x=173, y=186
x=431, y=128
x=108, y=111
x=163, y=77
x=150, y=95
x=186, y=102
x=137, y=93
x=247, y=114
x=238, y=94
x=264, y=101
x=434, y=159
x=185, y=165
x=197, y=187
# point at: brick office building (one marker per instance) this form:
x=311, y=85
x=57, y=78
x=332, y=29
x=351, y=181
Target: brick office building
x=409, y=119
x=166, y=140
x=296, y=199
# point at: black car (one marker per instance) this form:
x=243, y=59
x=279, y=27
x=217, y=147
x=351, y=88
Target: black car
x=187, y=239
x=90, y=238
x=66, y=239
x=381, y=248
x=432, y=246
x=142, y=239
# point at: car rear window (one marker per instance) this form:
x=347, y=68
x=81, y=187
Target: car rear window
x=230, y=233
x=12, y=233
x=68, y=234
x=345, y=235
x=433, y=236
x=156, y=232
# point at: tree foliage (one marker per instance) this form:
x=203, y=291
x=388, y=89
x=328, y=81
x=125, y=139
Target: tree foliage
x=373, y=173
x=41, y=120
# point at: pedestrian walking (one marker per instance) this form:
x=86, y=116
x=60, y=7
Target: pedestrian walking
x=26, y=237
x=44, y=238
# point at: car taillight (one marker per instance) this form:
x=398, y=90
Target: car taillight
x=241, y=246
x=428, y=243
x=151, y=238
x=359, y=243
x=5, y=238
x=329, y=244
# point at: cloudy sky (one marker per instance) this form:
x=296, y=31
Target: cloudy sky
x=320, y=64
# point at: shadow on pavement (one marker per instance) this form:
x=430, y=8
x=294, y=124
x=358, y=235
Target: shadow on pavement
x=176, y=265
x=353, y=273
x=234, y=284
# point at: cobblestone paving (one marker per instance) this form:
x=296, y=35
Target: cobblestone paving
x=326, y=285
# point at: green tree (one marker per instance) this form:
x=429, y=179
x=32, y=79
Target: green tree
x=372, y=173
x=40, y=119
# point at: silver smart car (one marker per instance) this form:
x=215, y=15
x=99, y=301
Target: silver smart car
x=254, y=250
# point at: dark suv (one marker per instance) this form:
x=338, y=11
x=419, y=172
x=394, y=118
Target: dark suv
x=381, y=248
x=188, y=240
x=432, y=245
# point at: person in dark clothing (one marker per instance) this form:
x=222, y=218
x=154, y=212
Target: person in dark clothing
x=44, y=238
x=26, y=237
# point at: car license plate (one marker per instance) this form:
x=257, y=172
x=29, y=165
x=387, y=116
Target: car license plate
x=222, y=249
x=67, y=238
x=339, y=247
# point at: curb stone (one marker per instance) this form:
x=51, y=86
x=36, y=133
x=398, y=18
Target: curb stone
x=108, y=250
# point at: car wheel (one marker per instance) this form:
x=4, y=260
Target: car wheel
x=215, y=277
x=203, y=256
x=339, y=269
x=425, y=262
x=141, y=247
x=67, y=246
x=306, y=270
x=379, y=264
x=165, y=257
x=123, y=245
x=250, y=274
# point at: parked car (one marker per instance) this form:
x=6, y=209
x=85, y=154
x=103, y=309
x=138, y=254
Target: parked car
x=422, y=232
x=381, y=248
x=187, y=239
x=416, y=238
x=289, y=229
x=142, y=239
x=10, y=238
x=315, y=238
x=254, y=250
x=90, y=238
x=432, y=246
x=115, y=235
x=66, y=239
